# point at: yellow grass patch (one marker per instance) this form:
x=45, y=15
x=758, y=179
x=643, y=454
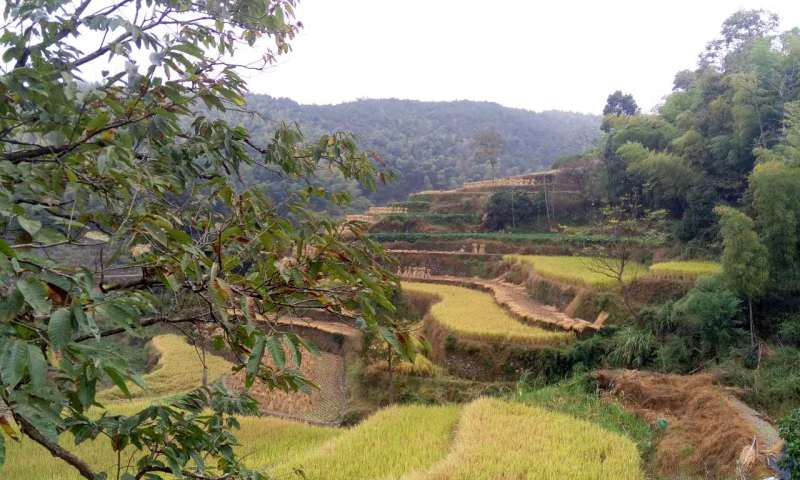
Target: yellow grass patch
x=474, y=315
x=577, y=270
x=503, y=440
x=688, y=269
x=179, y=370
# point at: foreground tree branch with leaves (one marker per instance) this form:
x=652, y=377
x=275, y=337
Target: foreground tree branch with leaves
x=121, y=208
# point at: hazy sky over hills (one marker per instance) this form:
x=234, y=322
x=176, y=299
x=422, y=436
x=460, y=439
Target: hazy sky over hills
x=562, y=54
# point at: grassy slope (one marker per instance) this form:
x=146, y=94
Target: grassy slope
x=497, y=439
x=475, y=315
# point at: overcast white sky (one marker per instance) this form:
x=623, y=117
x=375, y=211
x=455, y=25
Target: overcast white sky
x=536, y=54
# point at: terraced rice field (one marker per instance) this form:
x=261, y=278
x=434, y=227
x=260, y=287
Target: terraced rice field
x=688, y=269
x=391, y=443
x=498, y=439
x=475, y=315
x=486, y=439
x=577, y=269
x=178, y=370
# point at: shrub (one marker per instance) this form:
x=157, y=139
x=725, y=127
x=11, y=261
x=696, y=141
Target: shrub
x=789, y=330
x=789, y=428
x=706, y=317
x=632, y=347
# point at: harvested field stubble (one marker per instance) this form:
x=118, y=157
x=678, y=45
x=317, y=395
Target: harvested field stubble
x=705, y=432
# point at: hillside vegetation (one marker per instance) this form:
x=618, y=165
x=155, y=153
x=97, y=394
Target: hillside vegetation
x=429, y=144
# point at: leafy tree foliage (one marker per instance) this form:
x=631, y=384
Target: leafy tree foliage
x=774, y=188
x=745, y=264
x=619, y=103
x=739, y=106
x=120, y=209
x=509, y=208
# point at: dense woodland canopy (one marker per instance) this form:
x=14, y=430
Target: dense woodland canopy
x=431, y=145
x=738, y=108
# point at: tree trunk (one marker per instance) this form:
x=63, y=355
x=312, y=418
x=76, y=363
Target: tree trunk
x=752, y=324
x=205, y=366
x=391, y=378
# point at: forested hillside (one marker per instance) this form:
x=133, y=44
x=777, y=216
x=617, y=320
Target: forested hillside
x=432, y=145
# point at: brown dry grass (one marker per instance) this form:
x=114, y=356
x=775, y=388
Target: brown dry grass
x=705, y=433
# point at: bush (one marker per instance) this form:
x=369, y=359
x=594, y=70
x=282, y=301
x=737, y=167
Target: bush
x=508, y=208
x=789, y=330
x=707, y=315
x=789, y=428
x=632, y=347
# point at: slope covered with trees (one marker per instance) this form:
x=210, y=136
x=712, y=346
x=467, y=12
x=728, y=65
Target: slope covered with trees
x=433, y=145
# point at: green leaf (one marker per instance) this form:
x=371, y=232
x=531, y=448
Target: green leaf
x=49, y=236
x=275, y=347
x=388, y=335
x=13, y=362
x=29, y=225
x=2, y=450
x=255, y=360
x=118, y=378
x=115, y=313
x=6, y=249
x=99, y=121
x=35, y=293
x=37, y=367
x=59, y=330
x=11, y=305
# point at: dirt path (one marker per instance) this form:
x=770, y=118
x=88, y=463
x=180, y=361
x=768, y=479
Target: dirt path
x=768, y=437
x=515, y=299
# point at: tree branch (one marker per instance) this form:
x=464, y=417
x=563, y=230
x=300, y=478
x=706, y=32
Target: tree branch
x=144, y=323
x=55, y=449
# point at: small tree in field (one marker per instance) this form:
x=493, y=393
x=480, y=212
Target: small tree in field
x=127, y=173
x=745, y=261
x=630, y=228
